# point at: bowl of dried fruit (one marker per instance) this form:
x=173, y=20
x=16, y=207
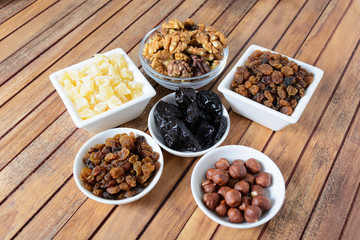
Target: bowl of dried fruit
x=118, y=166
x=187, y=123
x=269, y=88
x=183, y=54
x=238, y=186
x=104, y=91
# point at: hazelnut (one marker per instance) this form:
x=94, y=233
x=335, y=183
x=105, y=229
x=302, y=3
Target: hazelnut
x=243, y=187
x=222, y=209
x=262, y=202
x=238, y=162
x=222, y=190
x=257, y=190
x=235, y=215
x=222, y=164
x=232, y=182
x=263, y=179
x=208, y=186
x=245, y=202
x=209, y=173
x=220, y=177
x=252, y=213
x=211, y=200
x=233, y=198
x=237, y=171
x=253, y=166
x=249, y=178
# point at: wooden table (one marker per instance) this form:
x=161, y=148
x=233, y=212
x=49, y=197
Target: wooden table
x=318, y=156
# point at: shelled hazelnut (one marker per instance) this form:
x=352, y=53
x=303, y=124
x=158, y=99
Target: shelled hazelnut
x=237, y=190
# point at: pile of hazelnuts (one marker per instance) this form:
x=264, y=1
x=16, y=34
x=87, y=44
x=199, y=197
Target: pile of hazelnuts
x=237, y=190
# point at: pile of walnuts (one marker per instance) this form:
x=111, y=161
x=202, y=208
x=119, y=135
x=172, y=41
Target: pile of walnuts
x=237, y=190
x=185, y=49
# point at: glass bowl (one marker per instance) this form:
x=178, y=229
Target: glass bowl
x=173, y=82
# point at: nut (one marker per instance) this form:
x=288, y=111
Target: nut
x=237, y=171
x=262, y=202
x=238, y=161
x=252, y=213
x=245, y=202
x=243, y=187
x=233, y=198
x=208, y=186
x=257, y=190
x=250, y=179
x=211, y=200
x=222, y=164
x=235, y=215
x=209, y=173
x=222, y=209
x=220, y=177
x=222, y=190
x=232, y=182
x=263, y=179
x=253, y=166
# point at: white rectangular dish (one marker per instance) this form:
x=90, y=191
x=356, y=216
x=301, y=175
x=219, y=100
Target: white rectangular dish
x=112, y=117
x=258, y=112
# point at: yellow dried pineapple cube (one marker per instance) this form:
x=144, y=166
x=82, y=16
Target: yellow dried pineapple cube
x=100, y=107
x=87, y=88
x=81, y=103
x=86, y=113
x=113, y=102
x=102, y=80
x=100, y=59
x=104, y=68
x=63, y=76
x=73, y=94
x=113, y=71
x=126, y=74
x=122, y=89
x=92, y=101
x=114, y=81
x=122, y=97
x=136, y=93
x=94, y=70
x=106, y=92
x=68, y=85
x=135, y=86
x=76, y=75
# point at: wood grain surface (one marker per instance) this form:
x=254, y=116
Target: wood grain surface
x=318, y=156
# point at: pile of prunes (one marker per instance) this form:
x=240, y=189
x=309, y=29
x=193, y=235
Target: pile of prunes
x=196, y=123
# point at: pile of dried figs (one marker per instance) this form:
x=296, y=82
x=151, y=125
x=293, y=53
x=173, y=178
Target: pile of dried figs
x=194, y=124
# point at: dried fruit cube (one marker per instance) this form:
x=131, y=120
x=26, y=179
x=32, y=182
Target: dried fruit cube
x=126, y=74
x=100, y=107
x=86, y=113
x=81, y=103
x=113, y=102
x=122, y=89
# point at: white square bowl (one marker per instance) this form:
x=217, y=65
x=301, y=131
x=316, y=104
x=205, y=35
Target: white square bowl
x=258, y=112
x=113, y=117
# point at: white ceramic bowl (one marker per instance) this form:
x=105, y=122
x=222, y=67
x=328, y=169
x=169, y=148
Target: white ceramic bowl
x=259, y=113
x=276, y=191
x=174, y=82
x=100, y=139
x=170, y=98
x=113, y=117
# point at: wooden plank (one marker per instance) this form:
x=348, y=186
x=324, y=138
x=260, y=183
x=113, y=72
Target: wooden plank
x=38, y=187
x=9, y=8
x=30, y=158
x=47, y=38
x=37, y=25
x=26, y=15
x=24, y=76
x=315, y=162
x=19, y=106
x=330, y=213
x=351, y=229
x=17, y=139
x=60, y=209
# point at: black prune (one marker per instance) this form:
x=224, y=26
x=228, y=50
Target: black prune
x=193, y=115
x=210, y=103
x=221, y=129
x=168, y=109
x=185, y=96
x=205, y=134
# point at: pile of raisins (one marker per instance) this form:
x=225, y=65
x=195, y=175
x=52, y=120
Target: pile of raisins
x=120, y=168
x=271, y=79
x=194, y=124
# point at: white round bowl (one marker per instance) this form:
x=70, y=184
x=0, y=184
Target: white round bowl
x=276, y=192
x=170, y=98
x=100, y=139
